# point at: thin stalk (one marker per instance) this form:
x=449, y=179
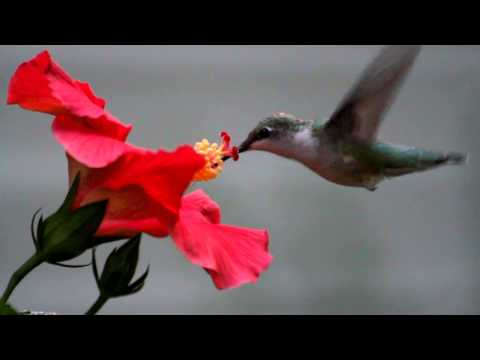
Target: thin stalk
x=102, y=299
x=18, y=275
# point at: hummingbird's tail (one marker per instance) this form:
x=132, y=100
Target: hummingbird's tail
x=455, y=158
x=417, y=160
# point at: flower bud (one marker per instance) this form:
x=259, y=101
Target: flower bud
x=119, y=270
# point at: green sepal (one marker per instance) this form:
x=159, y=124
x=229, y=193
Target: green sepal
x=32, y=229
x=54, y=221
x=61, y=237
x=68, y=233
x=68, y=266
x=137, y=285
x=40, y=225
x=95, y=269
x=71, y=236
x=71, y=195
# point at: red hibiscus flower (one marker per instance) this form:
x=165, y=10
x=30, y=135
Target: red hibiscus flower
x=233, y=256
x=87, y=132
x=144, y=187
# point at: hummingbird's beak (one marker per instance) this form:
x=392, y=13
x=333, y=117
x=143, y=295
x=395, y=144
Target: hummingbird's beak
x=244, y=147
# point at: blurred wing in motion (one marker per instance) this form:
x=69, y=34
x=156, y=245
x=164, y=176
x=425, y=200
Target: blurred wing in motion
x=363, y=109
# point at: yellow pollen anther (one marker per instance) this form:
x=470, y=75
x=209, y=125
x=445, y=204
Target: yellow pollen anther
x=213, y=154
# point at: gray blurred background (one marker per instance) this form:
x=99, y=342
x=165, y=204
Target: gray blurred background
x=412, y=247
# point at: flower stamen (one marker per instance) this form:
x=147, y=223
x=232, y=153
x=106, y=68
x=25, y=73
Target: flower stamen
x=213, y=155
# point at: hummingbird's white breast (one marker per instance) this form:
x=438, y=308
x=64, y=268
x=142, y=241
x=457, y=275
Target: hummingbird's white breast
x=301, y=146
x=304, y=146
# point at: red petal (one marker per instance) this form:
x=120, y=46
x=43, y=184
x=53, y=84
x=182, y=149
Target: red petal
x=42, y=85
x=233, y=256
x=144, y=189
x=88, y=146
x=164, y=176
x=130, y=211
x=128, y=228
x=200, y=206
x=87, y=89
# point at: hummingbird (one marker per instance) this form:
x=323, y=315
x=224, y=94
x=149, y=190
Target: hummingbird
x=344, y=149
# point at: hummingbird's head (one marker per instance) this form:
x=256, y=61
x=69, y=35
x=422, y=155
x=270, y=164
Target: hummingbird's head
x=275, y=134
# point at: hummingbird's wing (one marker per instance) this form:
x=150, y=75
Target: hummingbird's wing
x=361, y=112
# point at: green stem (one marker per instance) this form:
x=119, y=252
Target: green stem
x=18, y=275
x=102, y=299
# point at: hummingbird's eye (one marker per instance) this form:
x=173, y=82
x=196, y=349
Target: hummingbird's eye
x=264, y=133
